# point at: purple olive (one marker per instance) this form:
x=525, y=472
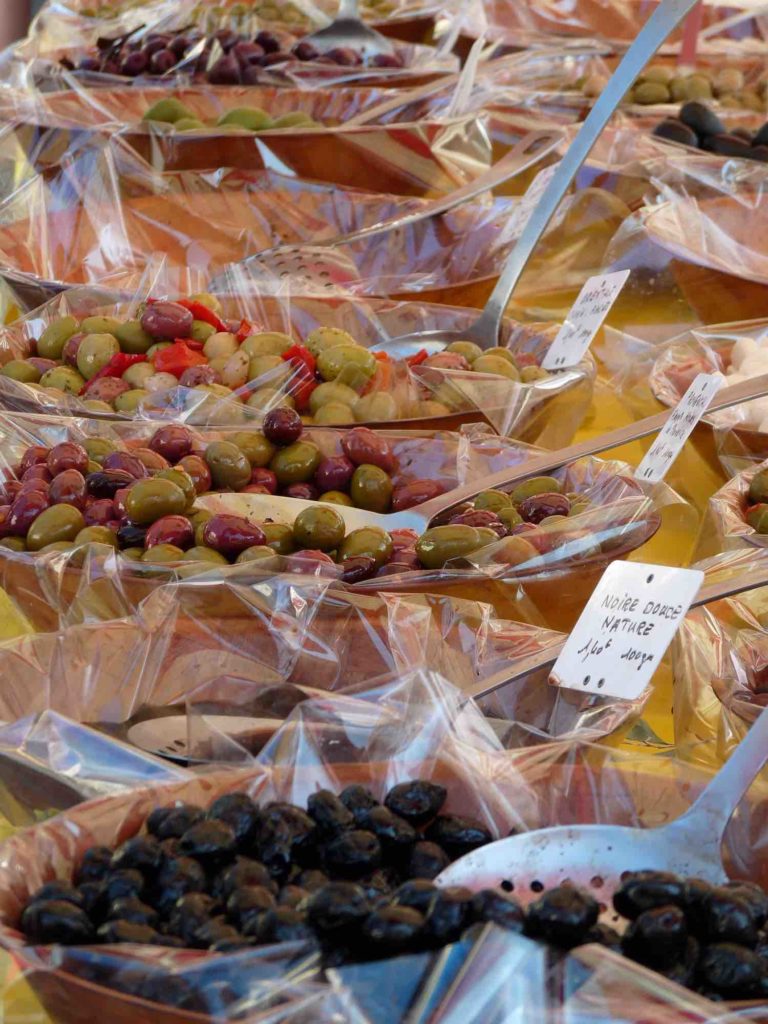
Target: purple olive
x=99, y=512
x=364, y=446
x=176, y=530
x=41, y=364
x=305, y=51
x=24, y=511
x=38, y=472
x=33, y=457
x=195, y=375
x=154, y=43
x=480, y=517
x=345, y=56
x=268, y=41
x=227, y=39
x=275, y=58
x=107, y=482
x=167, y=320
x=541, y=506
x=34, y=484
x=396, y=568
x=135, y=64
x=10, y=492
x=161, y=62
x=263, y=477
x=197, y=468
x=107, y=389
x=179, y=46
x=69, y=352
x=358, y=568
x=69, y=489
x=310, y=561
x=226, y=71
x=248, y=53
x=67, y=455
x=127, y=463
x=414, y=493
x=305, y=491
x=387, y=60
x=403, y=538
x=152, y=460
x=251, y=74
x=334, y=473
x=282, y=426
x=172, y=442
x=230, y=535
x=89, y=64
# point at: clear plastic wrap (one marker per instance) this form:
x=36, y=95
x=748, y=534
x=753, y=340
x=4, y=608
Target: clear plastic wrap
x=424, y=731
x=546, y=411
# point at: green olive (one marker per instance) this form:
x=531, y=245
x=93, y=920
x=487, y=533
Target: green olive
x=148, y=500
x=323, y=338
x=254, y=119
x=169, y=110
x=97, y=535
x=201, y=330
x=57, y=545
x=529, y=374
x=13, y=543
x=371, y=488
x=279, y=537
x=268, y=343
x=494, y=501
x=255, y=554
x=133, y=554
x=333, y=414
x=371, y=541
x=229, y=466
x=202, y=553
x=332, y=361
x=63, y=378
x=163, y=553
x=497, y=365
x=331, y=391
x=509, y=516
x=189, y=124
x=259, y=365
x=468, y=349
x=55, y=336
x=319, y=527
x=503, y=353
x=18, y=369
x=95, y=405
x=94, y=352
x=536, y=485
x=296, y=463
x=138, y=374
x=652, y=92
x=757, y=518
x=758, y=488
x=439, y=545
x=378, y=407
x=129, y=401
x=294, y=119
x=57, y=523
x=337, y=498
x=133, y=338
x=100, y=325
x=254, y=445
x=182, y=479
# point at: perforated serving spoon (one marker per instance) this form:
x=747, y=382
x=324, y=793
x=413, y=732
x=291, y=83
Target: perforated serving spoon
x=280, y=509
x=594, y=857
x=348, y=30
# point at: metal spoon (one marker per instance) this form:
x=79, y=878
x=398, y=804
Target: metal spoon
x=284, y=510
x=348, y=30
x=593, y=857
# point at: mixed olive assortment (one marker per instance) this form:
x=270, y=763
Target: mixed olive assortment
x=698, y=125
x=115, y=365
x=661, y=83
x=225, y=57
x=253, y=119
x=354, y=877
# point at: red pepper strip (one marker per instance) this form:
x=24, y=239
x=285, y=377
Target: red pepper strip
x=383, y=357
x=301, y=392
x=244, y=330
x=196, y=346
x=177, y=358
x=201, y=312
x=116, y=367
x=297, y=355
x=417, y=358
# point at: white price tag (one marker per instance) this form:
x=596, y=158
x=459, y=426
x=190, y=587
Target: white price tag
x=678, y=428
x=626, y=627
x=584, y=320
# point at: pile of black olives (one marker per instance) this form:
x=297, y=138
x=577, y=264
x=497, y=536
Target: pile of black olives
x=699, y=126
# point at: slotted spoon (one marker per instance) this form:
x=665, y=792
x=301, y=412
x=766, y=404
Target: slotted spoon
x=348, y=30
x=284, y=510
x=594, y=857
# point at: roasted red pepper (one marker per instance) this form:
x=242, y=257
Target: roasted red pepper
x=303, y=383
x=245, y=329
x=298, y=355
x=196, y=346
x=417, y=357
x=202, y=312
x=116, y=367
x=177, y=358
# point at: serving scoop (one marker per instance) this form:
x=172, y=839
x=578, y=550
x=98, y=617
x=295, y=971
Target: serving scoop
x=280, y=509
x=593, y=857
x=348, y=30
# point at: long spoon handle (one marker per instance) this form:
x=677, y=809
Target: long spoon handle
x=541, y=465
x=660, y=24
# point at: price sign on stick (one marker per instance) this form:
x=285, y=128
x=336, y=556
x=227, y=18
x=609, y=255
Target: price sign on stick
x=625, y=628
x=678, y=428
x=584, y=320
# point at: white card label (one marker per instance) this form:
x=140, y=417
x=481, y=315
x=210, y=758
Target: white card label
x=678, y=428
x=584, y=320
x=625, y=628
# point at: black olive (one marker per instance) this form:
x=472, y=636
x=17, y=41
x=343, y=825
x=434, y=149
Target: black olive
x=190, y=912
x=392, y=929
x=243, y=872
x=312, y=879
x=329, y=813
x=57, y=890
x=337, y=909
x=427, y=860
x=56, y=921
x=175, y=879
x=359, y=801
x=684, y=971
x=285, y=833
x=726, y=145
x=396, y=836
x=742, y=133
x=128, y=931
x=173, y=822
x=132, y=909
x=142, y=853
x=731, y=971
x=753, y=896
x=561, y=916
x=761, y=137
x=695, y=894
x=213, y=843
x=418, y=801
x=244, y=903
x=644, y=890
x=105, y=483
x=605, y=936
x=378, y=886
x=239, y=812
x=457, y=835
x=281, y=924
x=127, y=882
x=418, y=893
x=171, y=848
x=94, y=904
x=292, y=896
x=674, y=130
x=170, y=989
x=130, y=536
x=352, y=854
x=701, y=119
x=656, y=937
x=449, y=913
x=728, y=918
x=211, y=932
x=495, y=906
x=94, y=866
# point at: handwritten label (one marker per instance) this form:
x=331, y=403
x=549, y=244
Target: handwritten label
x=625, y=628
x=678, y=428
x=584, y=320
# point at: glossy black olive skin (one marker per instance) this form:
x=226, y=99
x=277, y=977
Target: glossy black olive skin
x=286, y=834
x=239, y=812
x=753, y=896
x=312, y=879
x=213, y=843
x=427, y=860
x=392, y=930
x=247, y=902
x=337, y=909
x=495, y=906
x=173, y=822
x=190, y=912
x=128, y=931
x=52, y=921
x=352, y=854
x=142, y=853
x=417, y=893
x=728, y=918
x=450, y=911
x=645, y=890
x=561, y=916
x=176, y=878
x=57, y=890
x=126, y=882
x=131, y=909
x=280, y=924
x=359, y=801
x=329, y=813
x=604, y=935
x=731, y=971
x=457, y=835
x=242, y=873
x=213, y=931
x=418, y=802
x=94, y=866
x=656, y=938
x=396, y=836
